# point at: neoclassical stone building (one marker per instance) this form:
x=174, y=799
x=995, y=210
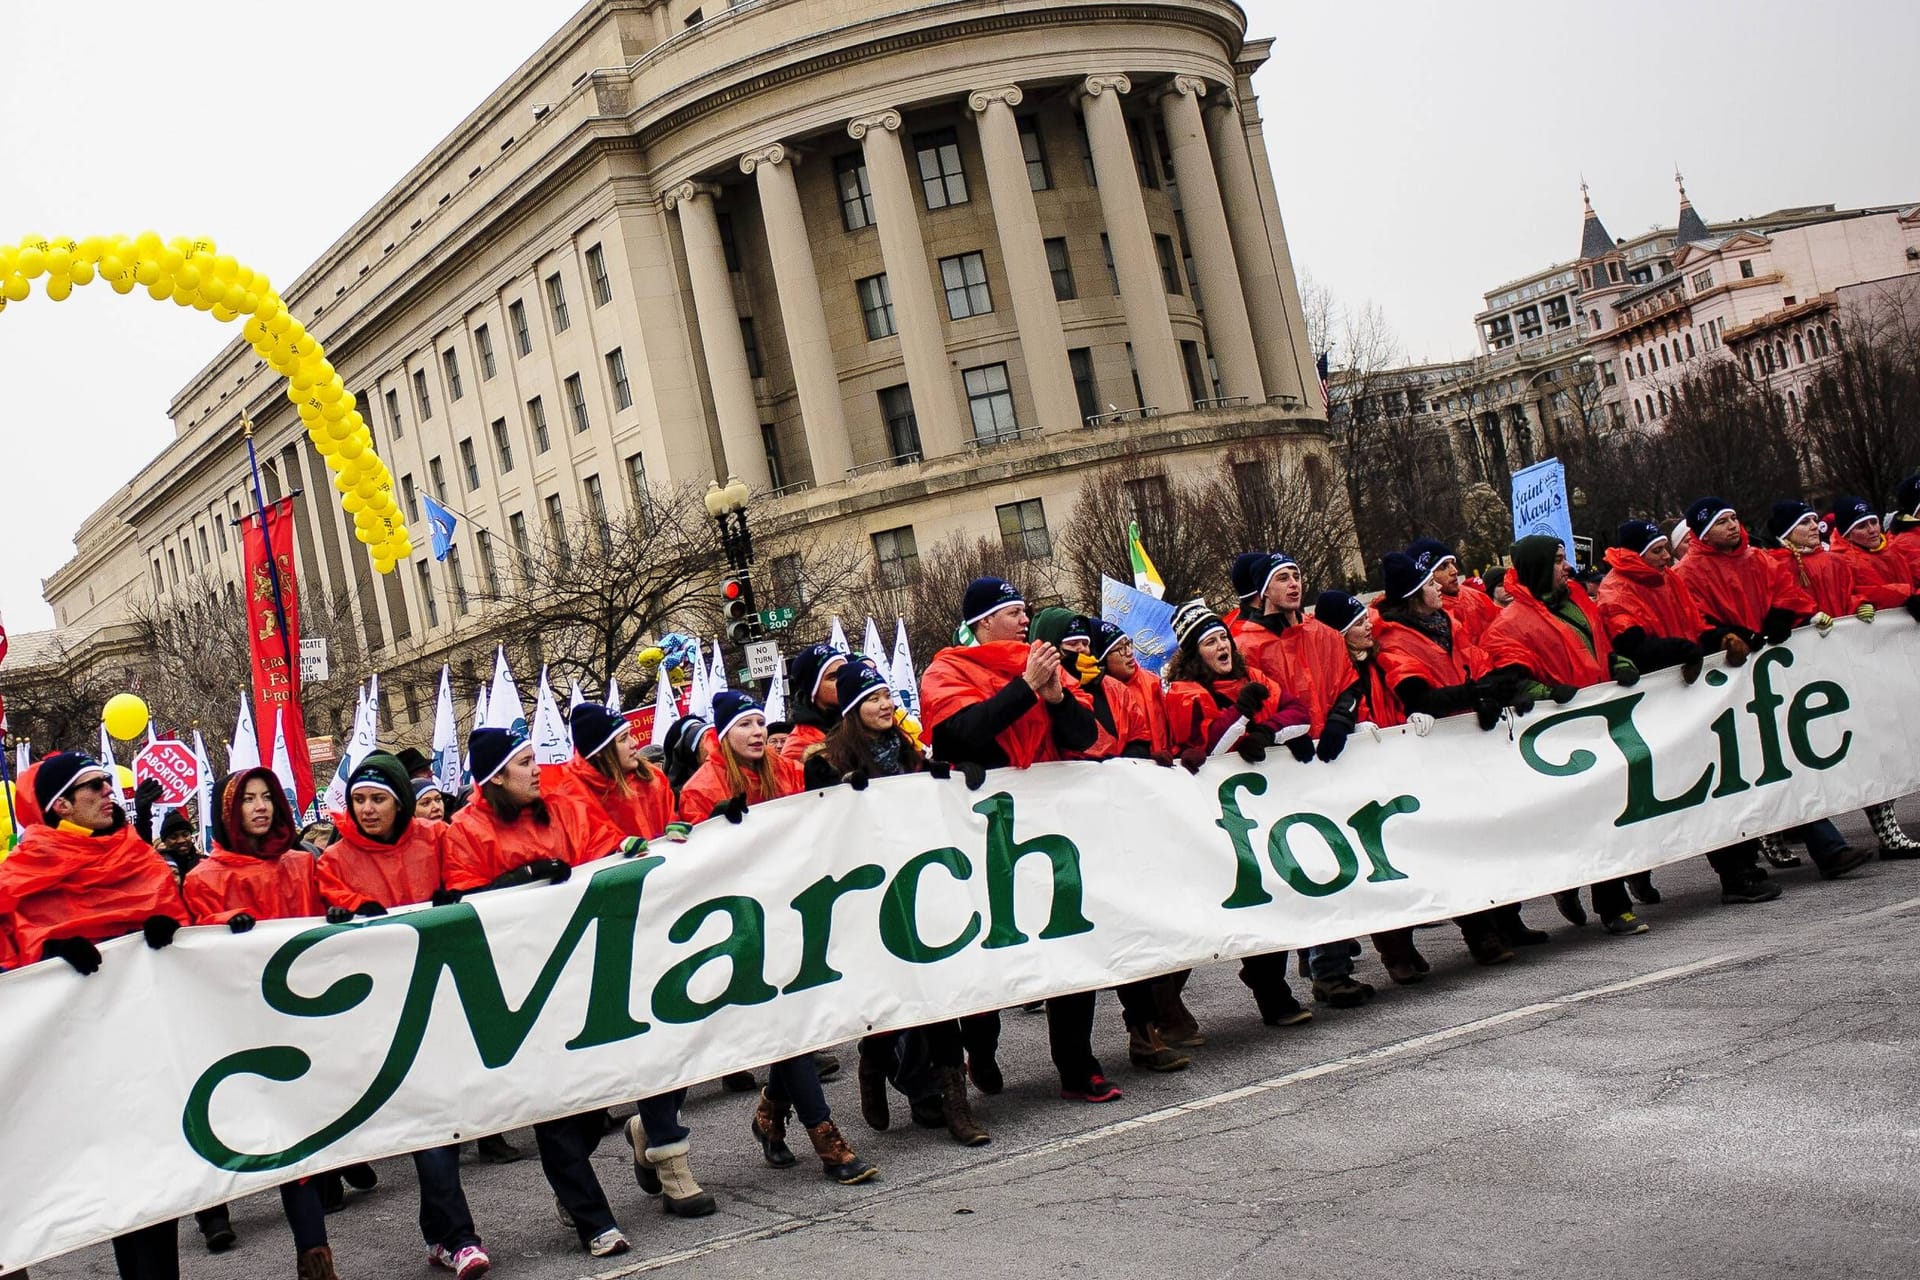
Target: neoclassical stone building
x=908, y=269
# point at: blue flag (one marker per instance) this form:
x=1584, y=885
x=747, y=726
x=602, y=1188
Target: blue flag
x=1146, y=620
x=441, y=522
x=1540, y=504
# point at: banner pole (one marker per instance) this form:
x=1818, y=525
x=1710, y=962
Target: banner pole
x=273, y=567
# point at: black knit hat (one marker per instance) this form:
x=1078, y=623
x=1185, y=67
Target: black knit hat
x=593, y=726
x=1105, y=636
x=1194, y=622
x=1849, y=511
x=60, y=773
x=986, y=596
x=488, y=751
x=730, y=706
x=1787, y=513
x=1338, y=609
x=1637, y=535
x=1428, y=554
x=1252, y=570
x=1401, y=577
x=1906, y=499
x=1702, y=512
x=176, y=823
x=806, y=667
x=387, y=773
x=856, y=681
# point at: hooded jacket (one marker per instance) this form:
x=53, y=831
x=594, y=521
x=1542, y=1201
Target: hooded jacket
x=1199, y=713
x=1472, y=611
x=708, y=789
x=1109, y=700
x=1882, y=577
x=1529, y=634
x=1825, y=575
x=481, y=846
x=64, y=882
x=1307, y=658
x=405, y=869
x=979, y=709
x=1739, y=587
x=269, y=879
x=1408, y=654
x=1657, y=601
x=1148, y=699
x=644, y=811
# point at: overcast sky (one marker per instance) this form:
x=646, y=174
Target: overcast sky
x=1424, y=153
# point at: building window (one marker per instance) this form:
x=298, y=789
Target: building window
x=556, y=519
x=1060, y=266
x=1799, y=350
x=896, y=557
x=617, y=375
x=484, y=340
x=990, y=401
x=1196, y=371
x=437, y=477
x=517, y=530
x=1702, y=281
x=220, y=526
x=597, y=277
x=965, y=278
x=695, y=18
x=1169, y=264
x=1746, y=268
x=750, y=339
x=557, y=303
x=1150, y=500
x=876, y=305
x=470, y=464
x=502, y=446
x=393, y=414
x=489, y=563
x=522, y=336
x=537, y=415
x=426, y=596
x=729, y=246
x=1106, y=254
x=1143, y=154
x=1086, y=150
x=1689, y=338
x=597, y=512
x=1593, y=321
x=770, y=443
x=903, y=429
x=1035, y=152
x=1023, y=530
x=459, y=582
x=942, y=181
x=856, y=192
x=637, y=481
x=206, y=555
x=1133, y=369
x=450, y=363
x=1080, y=361
x=577, y=402
x=790, y=580
x=411, y=498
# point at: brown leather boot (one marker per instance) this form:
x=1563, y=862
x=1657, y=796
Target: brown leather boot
x=770, y=1131
x=1146, y=1050
x=958, y=1111
x=871, y=1071
x=837, y=1159
x=317, y=1264
x=1177, y=1025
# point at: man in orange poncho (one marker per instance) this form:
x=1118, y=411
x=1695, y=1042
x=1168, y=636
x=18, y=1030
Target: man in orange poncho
x=1279, y=638
x=815, y=698
x=1883, y=574
x=1471, y=609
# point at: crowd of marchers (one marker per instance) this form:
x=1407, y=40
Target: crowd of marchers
x=1272, y=673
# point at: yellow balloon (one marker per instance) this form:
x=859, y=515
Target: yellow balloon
x=160, y=290
x=58, y=287
x=125, y=716
x=81, y=271
x=123, y=776
x=16, y=288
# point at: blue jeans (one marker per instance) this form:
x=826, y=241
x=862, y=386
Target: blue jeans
x=1332, y=959
x=797, y=1081
x=445, y=1219
x=660, y=1117
x=566, y=1157
x=1822, y=838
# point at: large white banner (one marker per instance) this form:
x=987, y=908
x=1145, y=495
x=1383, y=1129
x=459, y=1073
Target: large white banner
x=227, y=1064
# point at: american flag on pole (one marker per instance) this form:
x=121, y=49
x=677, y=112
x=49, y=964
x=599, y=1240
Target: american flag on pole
x=1326, y=386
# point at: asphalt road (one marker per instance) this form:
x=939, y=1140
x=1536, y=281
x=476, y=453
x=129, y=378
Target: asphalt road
x=1734, y=1094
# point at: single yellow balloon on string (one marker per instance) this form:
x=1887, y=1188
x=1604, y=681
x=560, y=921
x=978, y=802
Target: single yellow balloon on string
x=125, y=716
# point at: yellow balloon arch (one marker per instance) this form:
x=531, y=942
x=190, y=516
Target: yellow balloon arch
x=195, y=274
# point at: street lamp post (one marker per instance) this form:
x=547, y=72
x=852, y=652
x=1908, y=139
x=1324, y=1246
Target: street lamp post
x=727, y=504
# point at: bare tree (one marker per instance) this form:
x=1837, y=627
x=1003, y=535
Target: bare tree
x=927, y=593
x=55, y=703
x=1265, y=496
x=1185, y=546
x=1860, y=428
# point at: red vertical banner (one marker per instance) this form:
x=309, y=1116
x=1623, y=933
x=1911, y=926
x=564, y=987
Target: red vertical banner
x=276, y=653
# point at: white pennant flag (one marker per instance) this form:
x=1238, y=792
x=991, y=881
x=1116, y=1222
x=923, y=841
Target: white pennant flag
x=664, y=708
x=906, y=689
x=777, y=694
x=613, y=693
x=550, y=741
x=700, y=693
x=283, y=763
x=839, y=637
x=870, y=644
x=365, y=742
x=22, y=757
x=203, y=791
x=244, y=752
x=717, y=676
x=504, y=708
x=575, y=698
x=479, y=722
x=446, y=739
x=113, y=769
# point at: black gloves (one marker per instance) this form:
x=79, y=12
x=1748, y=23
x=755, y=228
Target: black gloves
x=855, y=778
x=338, y=915
x=1690, y=669
x=159, y=931
x=975, y=774
x=1163, y=759
x=148, y=793
x=445, y=897
x=733, y=809
x=1913, y=607
x=367, y=910
x=939, y=769
x=1777, y=626
x=1302, y=748
x=1562, y=693
x=1253, y=744
x=1486, y=712
x=1192, y=758
x=1333, y=738
x=1250, y=699
x=240, y=922
x=1624, y=673
x=78, y=952
x=554, y=871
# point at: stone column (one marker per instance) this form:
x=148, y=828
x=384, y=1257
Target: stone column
x=1142, y=294
x=923, y=341
x=1255, y=211
x=732, y=387
x=1228, y=328
x=1043, y=343
x=809, y=345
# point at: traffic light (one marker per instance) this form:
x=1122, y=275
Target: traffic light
x=736, y=608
